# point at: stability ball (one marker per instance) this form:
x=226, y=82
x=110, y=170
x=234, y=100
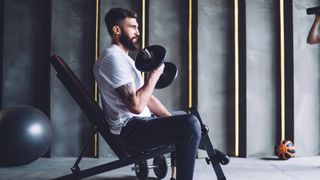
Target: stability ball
x=25, y=135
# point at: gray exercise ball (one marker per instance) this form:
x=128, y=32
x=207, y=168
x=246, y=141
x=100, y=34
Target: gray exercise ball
x=25, y=135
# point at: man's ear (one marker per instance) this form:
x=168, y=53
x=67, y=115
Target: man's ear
x=116, y=30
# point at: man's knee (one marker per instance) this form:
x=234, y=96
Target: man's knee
x=193, y=125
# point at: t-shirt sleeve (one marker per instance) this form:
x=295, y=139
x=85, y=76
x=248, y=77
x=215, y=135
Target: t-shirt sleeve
x=115, y=70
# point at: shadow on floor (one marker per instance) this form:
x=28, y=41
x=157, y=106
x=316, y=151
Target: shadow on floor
x=122, y=178
x=271, y=159
x=102, y=177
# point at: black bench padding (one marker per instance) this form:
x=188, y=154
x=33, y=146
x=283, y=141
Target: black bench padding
x=87, y=103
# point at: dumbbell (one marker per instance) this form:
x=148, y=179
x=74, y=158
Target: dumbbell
x=313, y=10
x=159, y=166
x=151, y=58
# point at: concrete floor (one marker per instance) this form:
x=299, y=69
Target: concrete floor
x=299, y=168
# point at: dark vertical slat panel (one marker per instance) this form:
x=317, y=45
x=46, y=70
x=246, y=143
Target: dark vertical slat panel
x=289, y=74
x=43, y=77
x=72, y=37
x=242, y=80
x=180, y=84
x=194, y=53
x=1, y=50
x=25, y=50
x=42, y=90
x=105, y=42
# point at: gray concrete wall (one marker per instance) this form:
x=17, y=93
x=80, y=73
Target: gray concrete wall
x=306, y=82
x=24, y=66
x=72, y=38
x=262, y=76
x=169, y=29
x=105, y=6
x=215, y=58
x=28, y=40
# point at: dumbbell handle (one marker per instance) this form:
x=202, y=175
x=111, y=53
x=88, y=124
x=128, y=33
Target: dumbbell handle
x=313, y=10
x=146, y=53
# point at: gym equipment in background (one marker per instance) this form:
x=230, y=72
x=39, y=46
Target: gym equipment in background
x=313, y=10
x=284, y=150
x=126, y=157
x=25, y=135
x=151, y=58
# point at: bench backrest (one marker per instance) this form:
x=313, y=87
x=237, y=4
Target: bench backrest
x=87, y=104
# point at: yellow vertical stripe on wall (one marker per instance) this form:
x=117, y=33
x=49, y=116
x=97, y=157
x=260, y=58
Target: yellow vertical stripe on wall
x=143, y=28
x=96, y=57
x=97, y=31
x=236, y=78
x=190, y=52
x=282, y=70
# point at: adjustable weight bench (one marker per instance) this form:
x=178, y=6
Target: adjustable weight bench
x=126, y=157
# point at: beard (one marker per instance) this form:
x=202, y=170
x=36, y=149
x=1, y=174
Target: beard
x=129, y=42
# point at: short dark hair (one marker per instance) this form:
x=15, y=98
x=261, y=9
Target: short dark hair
x=115, y=16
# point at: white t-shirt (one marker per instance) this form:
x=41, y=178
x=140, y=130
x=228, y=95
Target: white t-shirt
x=113, y=69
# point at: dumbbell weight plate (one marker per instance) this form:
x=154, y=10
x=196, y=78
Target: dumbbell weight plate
x=150, y=58
x=169, y=74
x=160, y=165
x=141, y=170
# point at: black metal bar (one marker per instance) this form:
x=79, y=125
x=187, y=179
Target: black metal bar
x=206, y=144
x=213, y=158
x=85, y=149
x=117, y=164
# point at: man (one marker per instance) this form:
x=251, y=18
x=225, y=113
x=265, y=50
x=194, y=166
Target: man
x=314, y=36
x=128, y=102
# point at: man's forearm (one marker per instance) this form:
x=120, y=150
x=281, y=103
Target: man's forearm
x=157, y=107
x=144, y=94
x=313, y=36
x=136, y=100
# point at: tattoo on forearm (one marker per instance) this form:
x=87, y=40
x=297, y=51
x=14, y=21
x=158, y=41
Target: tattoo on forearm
x=126, y=92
